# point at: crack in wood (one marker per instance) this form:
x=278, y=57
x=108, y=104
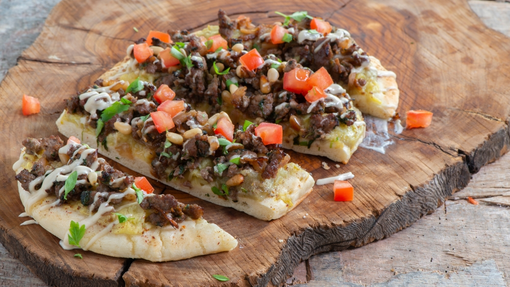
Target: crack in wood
x=91, y=31
x=338, y=9
x=22, y=58
x=486, y=116
x=433, y=144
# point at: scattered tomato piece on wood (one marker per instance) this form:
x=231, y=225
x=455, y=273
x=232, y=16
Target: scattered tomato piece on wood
x=472, y=201
x=343, y=191
x=30, y=105
x=418, y=119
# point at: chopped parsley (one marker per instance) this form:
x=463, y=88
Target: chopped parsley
x=78, y=255
x=244, y=190
x=76, y=233
x=165, y=154
x=218, y=72
x=313, y=31
x=122, y=217
x=70, y=183
x=224, y=143
x=167, y=144
x=139, y=193
x=126, y=101
x=298, y=16
x=180, y=44
x=221, y=167
x=246, y=125
x=99, y=127
x=287, y=38
x=223, y=192
x=144, y=118
x=236, y=160
x=275, y=66
x=220, y=278
x=176, y=53
x=219, y=49
x=135, y=86
x=187, y=62
x=208, y=44
x=229, y=83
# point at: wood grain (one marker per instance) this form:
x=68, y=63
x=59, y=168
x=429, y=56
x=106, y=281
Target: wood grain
x=426, y=45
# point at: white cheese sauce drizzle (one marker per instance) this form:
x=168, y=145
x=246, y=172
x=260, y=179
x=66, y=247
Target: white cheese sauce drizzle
x=377, y=137
x=99, y=98
x=308, y=35
x=343, y=176
x=31, y=221
x=61, y=174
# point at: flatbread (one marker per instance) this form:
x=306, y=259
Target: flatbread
x=267, y=199
x=131, y=239
x=379, y=97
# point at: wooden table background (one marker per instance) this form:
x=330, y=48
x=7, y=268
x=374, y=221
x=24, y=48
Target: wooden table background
x=459, y=245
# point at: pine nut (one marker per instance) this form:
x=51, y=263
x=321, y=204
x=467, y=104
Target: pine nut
x=174, y=138
x=123, y=128
x=156, y=50
x=214, y=144
x=238, y=48
x=92, y=177
x=272, y=75
x=212, y=120
x=191, y=133
x=239, y=70
x=235, y=180
x=264, y=85
x=183, y=52
x=233, y=88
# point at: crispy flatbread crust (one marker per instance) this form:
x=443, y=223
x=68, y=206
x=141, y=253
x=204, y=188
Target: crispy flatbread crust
x=194, y=238
x=284, y=192
x=384, y=102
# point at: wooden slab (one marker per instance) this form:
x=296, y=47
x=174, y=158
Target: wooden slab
x=446, y=62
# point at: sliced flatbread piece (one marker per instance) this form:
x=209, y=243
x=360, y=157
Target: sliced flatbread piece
x=105, y=234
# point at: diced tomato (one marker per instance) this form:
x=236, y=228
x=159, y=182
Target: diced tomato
x=270, y=133
x=277, y=34
x=472, y=201
x=73, y=139
x=296, y=81
x=168, y=59
x=321, y=79
x=343, y=191
x=142, y=52
x=172, y=107
x=251, y=60
x=30, y=105
x=218, y=42
x=143, y=184
x=225, y=128
x=162, y=121
x=164, y=37
x=418, y=119
x=315, y=94
x=320, y=26
x=164, y=93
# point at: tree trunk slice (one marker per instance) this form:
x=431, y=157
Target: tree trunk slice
x=446, y=60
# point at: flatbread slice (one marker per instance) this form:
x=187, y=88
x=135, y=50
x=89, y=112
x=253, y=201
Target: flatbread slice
x=136, y=236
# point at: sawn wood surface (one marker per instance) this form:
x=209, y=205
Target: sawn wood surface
x=446, y=60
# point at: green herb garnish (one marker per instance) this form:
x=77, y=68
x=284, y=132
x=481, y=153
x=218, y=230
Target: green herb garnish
x=167, y=144
x=180, y=44
x=122, y=217
x=126, y=101
x=115, y=108
x=76, y=233
x=219, y=49
x=144, y=118
x=236, y=160
x=70, y=183
x=221, y=167
x=220, y=278
x=313, y=31
x=298, y=16
x=165, y=154
x=246, y=125
x=136, y=30
x=176, y=53
x=229, y=83
x=224, y=187
x=244, y=190
x=135, y=86
x=218, y=72
x=187, y=62
x=275, y=66
x=287, y=38
x=223, y=142
x=78, y=255
x=139, y=193
x=99, y=127
x=208, y=44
